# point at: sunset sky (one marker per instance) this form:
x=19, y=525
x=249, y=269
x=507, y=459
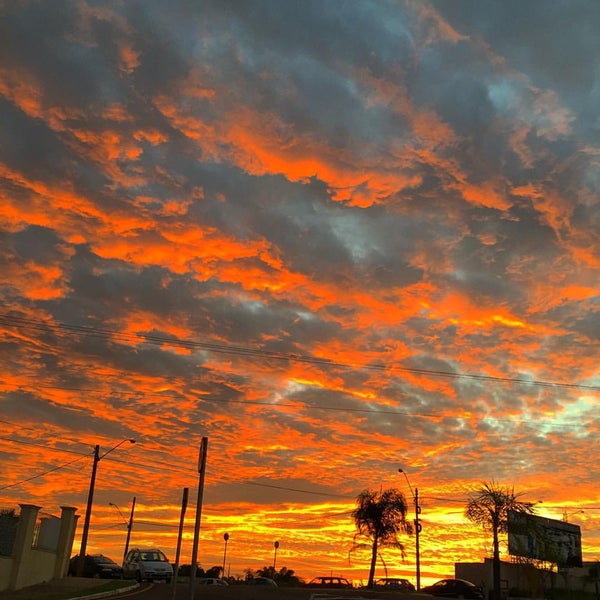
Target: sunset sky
x=336, y=238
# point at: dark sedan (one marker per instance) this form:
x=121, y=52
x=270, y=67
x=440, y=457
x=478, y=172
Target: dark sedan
x=329, y=582
x=394, y=583
x=454, y=588
x=262, y=581
x=97, y=566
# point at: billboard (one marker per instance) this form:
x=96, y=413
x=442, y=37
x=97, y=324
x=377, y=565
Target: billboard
x=544, y=539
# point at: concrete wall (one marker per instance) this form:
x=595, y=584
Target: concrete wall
x=512, y=576
x=6, y=563
x=29, y=565
x=8, y=532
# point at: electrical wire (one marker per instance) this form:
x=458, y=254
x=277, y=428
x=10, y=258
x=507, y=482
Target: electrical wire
x=17, y=321
x=46, y=447
x=290, y=489
x=40, y=474
x=233, y=350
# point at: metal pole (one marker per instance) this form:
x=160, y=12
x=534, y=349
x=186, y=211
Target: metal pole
x=226, y=538
x=129, y=526
x=275, y=545
x=417, y=532
x=418, y=528
x=184, y=501
x=201, y=472
x=88, y=512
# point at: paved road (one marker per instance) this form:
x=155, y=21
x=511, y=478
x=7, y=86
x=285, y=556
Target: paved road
x=76, y=587
x=162, y=591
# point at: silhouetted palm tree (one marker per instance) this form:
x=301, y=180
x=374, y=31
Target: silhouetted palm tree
x=380, y=517
x=489, y=506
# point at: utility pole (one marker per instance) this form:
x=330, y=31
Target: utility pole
x=88, y=513
x=417, y=532
x=201, y=472
x=184, y=501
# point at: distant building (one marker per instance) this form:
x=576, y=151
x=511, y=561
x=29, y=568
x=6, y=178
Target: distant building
x=520, y=579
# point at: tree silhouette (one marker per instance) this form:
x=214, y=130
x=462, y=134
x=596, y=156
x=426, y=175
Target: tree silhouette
x=488, y=506
x=379, y=518
x=283, y=577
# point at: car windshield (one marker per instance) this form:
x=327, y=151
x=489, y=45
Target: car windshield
x=103, y=560
x=155, y=556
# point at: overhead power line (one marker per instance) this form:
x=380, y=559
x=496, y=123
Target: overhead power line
x=41, y=474
x=45, y=446
x=370, y=410
x=15, y=321
x=290, y=489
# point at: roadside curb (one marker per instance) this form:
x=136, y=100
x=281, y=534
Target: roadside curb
x=107, y=593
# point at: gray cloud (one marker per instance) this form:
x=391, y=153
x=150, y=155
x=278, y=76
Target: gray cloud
x=331, y=237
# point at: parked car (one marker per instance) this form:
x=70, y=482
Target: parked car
x=394, y=583
x=262, y=581
x=329, y=582
x=211, y=581
x=147, y=564
x=454, y=588
x=97, y=566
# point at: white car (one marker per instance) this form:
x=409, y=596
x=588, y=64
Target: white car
x=212, y=581
x=147, y=564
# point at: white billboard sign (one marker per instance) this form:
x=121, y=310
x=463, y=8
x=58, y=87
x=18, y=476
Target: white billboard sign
x=544, y=539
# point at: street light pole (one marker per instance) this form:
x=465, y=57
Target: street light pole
x=275, y=545
x=567, y=514
x=88, y=510
x=226, y=538
x=417, y=522
x=129, y=524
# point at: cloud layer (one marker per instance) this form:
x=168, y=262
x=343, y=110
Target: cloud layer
x=333, y=238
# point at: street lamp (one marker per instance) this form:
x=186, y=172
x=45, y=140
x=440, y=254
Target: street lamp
x=567, y=514
x=226, y=538
x=415, y=496
x=275, y=545
x=88, y=511
x=129, y=524
x=119, y=511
